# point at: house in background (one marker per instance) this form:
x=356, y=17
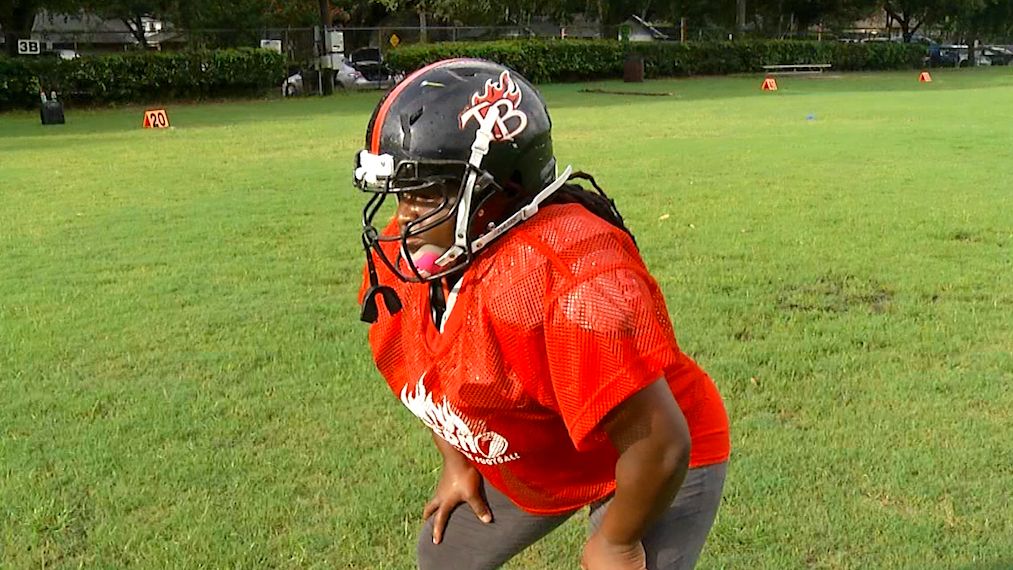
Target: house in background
x=72, y=34
x=642, y=31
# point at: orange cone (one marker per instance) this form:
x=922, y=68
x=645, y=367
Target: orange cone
x=925, y=77
x=769, y=84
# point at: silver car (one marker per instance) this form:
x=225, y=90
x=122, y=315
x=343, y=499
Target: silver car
x=354, y=74
x=362, y=76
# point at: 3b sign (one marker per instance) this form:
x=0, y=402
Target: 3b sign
x=156, y=119
x=29, y=47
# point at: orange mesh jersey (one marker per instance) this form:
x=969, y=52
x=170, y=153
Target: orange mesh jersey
x=552, y=327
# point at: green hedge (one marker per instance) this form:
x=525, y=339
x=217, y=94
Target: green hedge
x=141, y=77
x=567, y=60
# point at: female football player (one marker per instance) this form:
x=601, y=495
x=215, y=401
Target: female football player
x=511, y=312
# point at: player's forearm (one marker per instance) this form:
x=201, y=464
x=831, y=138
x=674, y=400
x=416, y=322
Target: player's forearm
x=649, y=473
x=652, y=437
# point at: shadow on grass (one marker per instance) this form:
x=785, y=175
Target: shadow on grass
x=748, y=86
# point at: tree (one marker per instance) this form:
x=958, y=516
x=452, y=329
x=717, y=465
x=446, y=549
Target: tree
x=132, y=13
x=259, y=14
x=911, y=15
x=298, y=13
x=973, y=20
x=807, y=13
x=445, y=10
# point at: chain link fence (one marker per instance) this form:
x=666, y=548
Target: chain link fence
x=305, y=48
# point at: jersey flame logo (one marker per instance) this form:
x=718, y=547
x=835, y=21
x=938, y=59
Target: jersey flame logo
x=469, y=437
x=497, y=109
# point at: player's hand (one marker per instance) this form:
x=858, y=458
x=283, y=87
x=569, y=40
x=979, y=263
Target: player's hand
x=600, y=554
x=459, y=483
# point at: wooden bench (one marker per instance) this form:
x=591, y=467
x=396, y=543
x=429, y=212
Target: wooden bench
x=796, y=68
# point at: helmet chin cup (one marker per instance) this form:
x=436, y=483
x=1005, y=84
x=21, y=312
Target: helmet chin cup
x=370, y=311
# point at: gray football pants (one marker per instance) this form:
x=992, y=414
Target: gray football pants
x=674, y=542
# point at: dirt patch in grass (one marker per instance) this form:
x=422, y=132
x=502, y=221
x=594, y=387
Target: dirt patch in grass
x=837, y=294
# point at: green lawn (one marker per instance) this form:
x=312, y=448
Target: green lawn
x=185, y=383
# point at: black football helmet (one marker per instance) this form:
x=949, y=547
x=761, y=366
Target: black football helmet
x=470, y=126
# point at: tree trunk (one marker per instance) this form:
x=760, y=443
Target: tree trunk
x=740, y=16
x=905, y=29
x=423, y=26
x=780, y=21
x=909, y=34
x=603, y=26
x=645, y=10
x=903, y=20
x=136, y=26
x=17, y=23
x=10, y=42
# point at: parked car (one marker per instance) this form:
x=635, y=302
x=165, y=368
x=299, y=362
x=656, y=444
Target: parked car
x=361, y=70
x=998, y=55
x=363, y=76
x=66, y=54
x=953, y=55
x=943, y=56
x=368, y=62
x=980, y=57
x=293, y=85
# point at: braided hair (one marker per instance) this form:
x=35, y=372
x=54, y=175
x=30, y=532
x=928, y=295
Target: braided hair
x=597, y=201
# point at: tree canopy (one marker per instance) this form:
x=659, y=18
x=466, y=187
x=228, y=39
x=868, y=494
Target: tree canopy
x=767, y=17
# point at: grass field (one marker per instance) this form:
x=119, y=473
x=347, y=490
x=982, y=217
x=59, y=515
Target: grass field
x=185, y=383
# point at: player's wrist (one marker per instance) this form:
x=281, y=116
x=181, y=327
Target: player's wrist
x=618, y=534
x=452, y=458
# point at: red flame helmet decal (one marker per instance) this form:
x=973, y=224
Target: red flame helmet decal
x=505, y=89
x=497, y=109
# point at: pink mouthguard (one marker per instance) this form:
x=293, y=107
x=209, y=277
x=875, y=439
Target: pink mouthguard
x=425, y=259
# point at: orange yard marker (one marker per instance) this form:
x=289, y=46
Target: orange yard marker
x=156, y=119
x=925, y=77
x=769, y=84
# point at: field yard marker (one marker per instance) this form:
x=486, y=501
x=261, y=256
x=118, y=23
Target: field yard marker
x=156, y=119
x=925, y=77
x=769, y=84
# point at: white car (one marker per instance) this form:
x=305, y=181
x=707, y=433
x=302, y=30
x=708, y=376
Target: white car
x=292, y=86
